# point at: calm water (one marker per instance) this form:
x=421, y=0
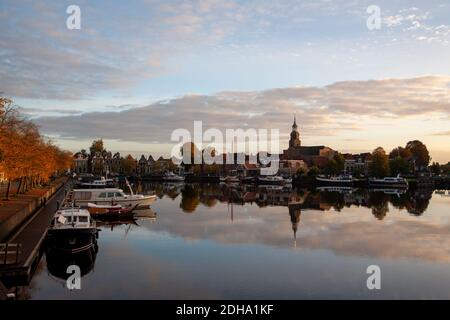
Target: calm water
x=212, y=242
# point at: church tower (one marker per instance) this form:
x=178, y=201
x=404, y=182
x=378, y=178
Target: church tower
x=294, y=141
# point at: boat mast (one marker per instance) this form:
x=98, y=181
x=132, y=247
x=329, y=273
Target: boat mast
x=129, y=186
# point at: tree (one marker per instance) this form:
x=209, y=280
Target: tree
x=313, y=171
x=301, y=172
x=446, y=168
x=419, y=152
x=400, y=152
x=436, y=168
x=340, y=162
x=336, y=165
x=399, y=165
x=128, y=164
x=96, y=147
x=27, y=156
x=330, y=167
x=379, y=167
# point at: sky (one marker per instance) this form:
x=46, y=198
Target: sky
x=137, y=70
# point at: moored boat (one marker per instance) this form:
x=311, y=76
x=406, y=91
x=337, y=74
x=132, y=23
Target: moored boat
x=96, y=184
x=341, y=180
x=112, y=211
x=107, y=196
x=389, y=182
x=172, y=177
x=72, y=230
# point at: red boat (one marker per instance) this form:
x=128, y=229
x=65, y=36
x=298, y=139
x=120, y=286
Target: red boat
x=113, y=211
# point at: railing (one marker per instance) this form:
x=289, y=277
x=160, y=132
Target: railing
x=9, y=253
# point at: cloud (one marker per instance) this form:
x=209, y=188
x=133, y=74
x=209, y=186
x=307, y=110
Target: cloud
x=443, y=133
x=418, y=25
x=320, y=110
x=41, y=59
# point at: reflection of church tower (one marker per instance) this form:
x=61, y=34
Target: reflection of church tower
x=294, y=141
x=295, y=212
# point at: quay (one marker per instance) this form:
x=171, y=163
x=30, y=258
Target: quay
x=21, y=252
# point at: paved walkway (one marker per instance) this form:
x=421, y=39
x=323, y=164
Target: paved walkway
x=31, y=235
x=16, y=203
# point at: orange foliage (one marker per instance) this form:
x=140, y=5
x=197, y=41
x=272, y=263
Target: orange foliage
x=24, y=152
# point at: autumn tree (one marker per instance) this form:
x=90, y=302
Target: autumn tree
x=97, y=147
x=399, y=165
x=27, y=156
x=335, y=165
x=128, y=164
x=419, y=152
x=400, y=152
x=379, y=167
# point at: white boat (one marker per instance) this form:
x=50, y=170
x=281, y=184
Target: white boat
x=389, y=182
x=342, y=180
x=271, y=180
x=97, y=184
x=82, y=197
x=72, y=230
x=170, y=176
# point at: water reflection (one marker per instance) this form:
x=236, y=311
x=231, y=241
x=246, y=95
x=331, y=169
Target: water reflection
x=257, y=238
x=414, y=201
x=334, y=220
x=58, y=262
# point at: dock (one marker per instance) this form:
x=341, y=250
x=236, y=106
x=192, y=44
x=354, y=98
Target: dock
x=21, y=253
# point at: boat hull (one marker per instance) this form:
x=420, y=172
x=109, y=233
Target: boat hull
x=70, y=240
x=58, y=262
x=270, y=182
x=334, y=183
x=123, y=202
x=388, y=185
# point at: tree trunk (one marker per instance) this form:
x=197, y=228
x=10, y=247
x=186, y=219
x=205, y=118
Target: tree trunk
x=20, y=185
x=7, y=189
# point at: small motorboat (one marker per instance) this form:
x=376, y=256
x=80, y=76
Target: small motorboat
x=389, y=182
x=72, y=230
x=336, y=181
x=112, y=211
x=96, y=184
x=172, y=177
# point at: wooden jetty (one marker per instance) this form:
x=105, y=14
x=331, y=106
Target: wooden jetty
x=21, y=253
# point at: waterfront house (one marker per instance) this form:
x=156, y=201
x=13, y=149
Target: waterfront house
x=357, y=163
x=80, y=163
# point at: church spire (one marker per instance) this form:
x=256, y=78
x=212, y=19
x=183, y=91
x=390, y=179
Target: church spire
x=294, y=141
